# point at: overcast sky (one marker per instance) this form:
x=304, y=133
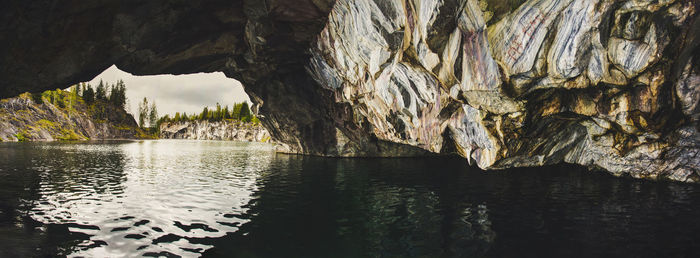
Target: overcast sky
x=176, y=93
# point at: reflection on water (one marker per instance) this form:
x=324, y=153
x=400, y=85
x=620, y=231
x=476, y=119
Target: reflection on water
x=141, y=198
x=189, y=198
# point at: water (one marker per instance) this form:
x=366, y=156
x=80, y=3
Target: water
x=193, y=198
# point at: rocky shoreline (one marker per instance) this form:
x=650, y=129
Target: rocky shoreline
x=23, y=119
x=219, y=130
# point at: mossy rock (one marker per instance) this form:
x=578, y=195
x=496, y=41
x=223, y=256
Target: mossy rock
x=22, y=136
x=46, y=124
x=70, y=135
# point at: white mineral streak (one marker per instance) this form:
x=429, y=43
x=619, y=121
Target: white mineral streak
x=516, y=40
x=572, y=39
x=479, y=70
x=449, y=57
x=511, y=93
x=426, y=12
x=222, y=130
x=632, y=56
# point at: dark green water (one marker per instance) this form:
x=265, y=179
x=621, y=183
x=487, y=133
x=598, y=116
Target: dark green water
x=192, y=198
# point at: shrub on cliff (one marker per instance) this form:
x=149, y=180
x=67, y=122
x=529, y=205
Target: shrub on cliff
x=37, y=98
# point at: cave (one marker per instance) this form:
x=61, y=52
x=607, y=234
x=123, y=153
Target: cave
x=414, y=79
x=184, y=94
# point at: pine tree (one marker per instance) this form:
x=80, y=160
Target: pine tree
x=236, y=113
x=117, y=94
x=153, y=116
x=89, y=94
x=218, y=115
x=227, y=114
x=143, y=112
x=204, y=114
x=100, y=92
x=245, y=112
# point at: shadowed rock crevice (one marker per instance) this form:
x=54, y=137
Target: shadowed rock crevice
x=606, y=84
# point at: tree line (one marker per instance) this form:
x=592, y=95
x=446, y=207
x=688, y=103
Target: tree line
x=239, y=112
x=148, y=113
x=114, y=94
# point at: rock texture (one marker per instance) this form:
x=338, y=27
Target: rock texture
x=608, y=84
x=221, y=130
x=589, y=82
x=22, y=119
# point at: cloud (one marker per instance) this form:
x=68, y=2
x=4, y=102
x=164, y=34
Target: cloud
x=177, y=93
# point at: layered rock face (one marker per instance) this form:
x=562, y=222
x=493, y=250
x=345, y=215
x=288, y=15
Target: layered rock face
x=607, y=84
x=22, y=119
x=220, y=130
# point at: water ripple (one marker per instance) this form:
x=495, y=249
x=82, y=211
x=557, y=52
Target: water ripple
x=148, y=197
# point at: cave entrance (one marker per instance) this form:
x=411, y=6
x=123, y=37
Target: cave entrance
x=154, y=100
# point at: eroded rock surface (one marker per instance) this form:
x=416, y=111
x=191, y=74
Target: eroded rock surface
x=220, y=130
x=609, y=84
x=589, y=82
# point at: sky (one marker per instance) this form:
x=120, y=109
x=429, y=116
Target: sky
x=176, y=93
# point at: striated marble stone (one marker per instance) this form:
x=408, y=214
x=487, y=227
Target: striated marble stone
x=517, y=38
x=576, y=81
x=221, y=130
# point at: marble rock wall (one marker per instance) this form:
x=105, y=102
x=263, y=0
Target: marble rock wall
x=592, y=82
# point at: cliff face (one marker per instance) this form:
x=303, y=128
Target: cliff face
x=221, y=130
x=22, y=119
x=604, y=83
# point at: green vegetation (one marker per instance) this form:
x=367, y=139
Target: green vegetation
x=101, y=92
x=79, y=100
x=69, y=135
x=21, y=136
x=148, y=114
x=153, y=116
x=36, y=97
x=46, y=124
x=117, y=94
x=89, y=94
x=240, y=112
